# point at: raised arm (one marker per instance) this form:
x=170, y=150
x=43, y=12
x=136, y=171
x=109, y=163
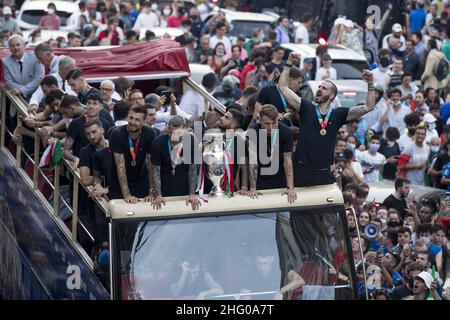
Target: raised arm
x=290, y=96
x=119, y=158
x=358, y=111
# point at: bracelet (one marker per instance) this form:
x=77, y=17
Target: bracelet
x=371, y=87
x=288, y=65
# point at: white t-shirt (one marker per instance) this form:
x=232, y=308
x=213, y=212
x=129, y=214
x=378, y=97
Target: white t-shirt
x=213, y=41
x=395, y=118
x=146, y=21
x=381, y=78
x=302, y=34
x=417, y=155
x=371, y=161
x=326, y=74
x=192, y=103
x=404, y=141
x=356, y=166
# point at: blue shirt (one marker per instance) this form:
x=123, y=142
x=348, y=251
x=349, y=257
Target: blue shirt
x=434, y=249
x=445, y=112
x=417, y=20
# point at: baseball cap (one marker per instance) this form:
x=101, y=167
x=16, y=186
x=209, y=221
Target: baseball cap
x=429, y=118
x=308, y=60
x=7, y=10
x=397, y=27
x=426, y=277
x=349, y=24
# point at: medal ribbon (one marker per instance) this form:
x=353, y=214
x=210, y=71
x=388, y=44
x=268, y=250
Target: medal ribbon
x=323, y=123
x=133, y=148
x=175, y=153
x=273, y=142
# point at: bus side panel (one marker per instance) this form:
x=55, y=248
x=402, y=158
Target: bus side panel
x=37, y=261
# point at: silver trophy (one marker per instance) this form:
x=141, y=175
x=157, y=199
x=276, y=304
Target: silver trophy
x=213, y=157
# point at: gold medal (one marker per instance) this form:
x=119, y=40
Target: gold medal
x=133, y=163
x=323, y=132
x=173, y=172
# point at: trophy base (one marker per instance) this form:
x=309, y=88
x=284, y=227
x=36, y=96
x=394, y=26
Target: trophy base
x=216, y=192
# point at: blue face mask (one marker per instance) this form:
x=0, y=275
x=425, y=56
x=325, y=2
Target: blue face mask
x=427, y=240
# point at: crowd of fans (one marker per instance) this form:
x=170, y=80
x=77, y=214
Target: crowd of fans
x=115, y=132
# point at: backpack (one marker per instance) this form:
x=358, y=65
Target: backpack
x=442, y=69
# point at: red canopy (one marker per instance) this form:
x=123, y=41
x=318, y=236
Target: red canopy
x=149, y=58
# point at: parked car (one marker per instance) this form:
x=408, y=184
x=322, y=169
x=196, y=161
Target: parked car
x=32, y=11
x=350, y=92
x=245, y=23
x=348, y=63
x=198, y=71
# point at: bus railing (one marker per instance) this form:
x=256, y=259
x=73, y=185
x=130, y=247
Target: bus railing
x=10, y=100
x=210, y=101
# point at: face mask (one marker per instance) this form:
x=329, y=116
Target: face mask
x=220, y=53
x=434, y=149
x=390, y=144
x=154, y=6
x=383, y=221
x=166, y=12
x=395, y=101
x=374, y=147
x=393, y=224
x=411, y=131
x=351, y=146
x=185, y=30
x=51, y=11
x=431, y=126
x=427, y=240
x=63, y=45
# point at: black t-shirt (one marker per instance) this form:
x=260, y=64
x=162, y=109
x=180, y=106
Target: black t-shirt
x=439, y=164
x=271, y=95
x=285, y=145
x=87, y=156
x=399, y=205
x=137, y=176
x=102, y=163
x=76, y=130
x=171, y=185
x=82, y=97
x=390, y=169
x=271, y=66
x=313, y=149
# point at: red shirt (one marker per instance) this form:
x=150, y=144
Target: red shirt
x=175, y=22
x=114, y=39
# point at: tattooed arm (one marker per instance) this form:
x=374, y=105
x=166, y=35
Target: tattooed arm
x=289, y=173
x=358, y=111
x=151, y=190
x=119, y=158
x=244, y=183
x=67, y=152
x=192, y=199
x=290, y=96
x=158, y=199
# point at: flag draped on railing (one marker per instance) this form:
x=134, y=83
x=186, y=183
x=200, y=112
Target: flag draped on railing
x=52, y=155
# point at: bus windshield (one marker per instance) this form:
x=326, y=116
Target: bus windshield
x=296, y=255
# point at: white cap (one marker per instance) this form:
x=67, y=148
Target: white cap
x=426, y=277
x=349, y=24
x=397, y=27
x=339, y=21
x=429, y=118
x=7, y=10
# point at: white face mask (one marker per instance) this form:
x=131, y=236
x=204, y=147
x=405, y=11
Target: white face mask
x=434, y=149
x=154, y=6
x=427, y=240
x=351, y=146
x=51, y=11
x=166, y=12
x=432, y=126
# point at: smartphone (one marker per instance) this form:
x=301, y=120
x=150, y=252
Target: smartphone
x=167, y=94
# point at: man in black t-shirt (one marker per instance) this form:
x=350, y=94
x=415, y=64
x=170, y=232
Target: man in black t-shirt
x=173, y=173
x=94, y=132
x=319, y=126
x=131, y=146
x=75, y=138
x=272, y=94
x=397, y=200
x=441, y=161
x=273, y=166
x=77, y=82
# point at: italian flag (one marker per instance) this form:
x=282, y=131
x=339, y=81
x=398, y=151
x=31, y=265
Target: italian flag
x=52, y=155
x=228, y=178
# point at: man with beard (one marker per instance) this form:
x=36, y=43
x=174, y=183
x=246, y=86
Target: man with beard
x=131, y=146
x=422, y=286
x=173, y=173
x=397, y=199
x=95, y=134
x=319, y=126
